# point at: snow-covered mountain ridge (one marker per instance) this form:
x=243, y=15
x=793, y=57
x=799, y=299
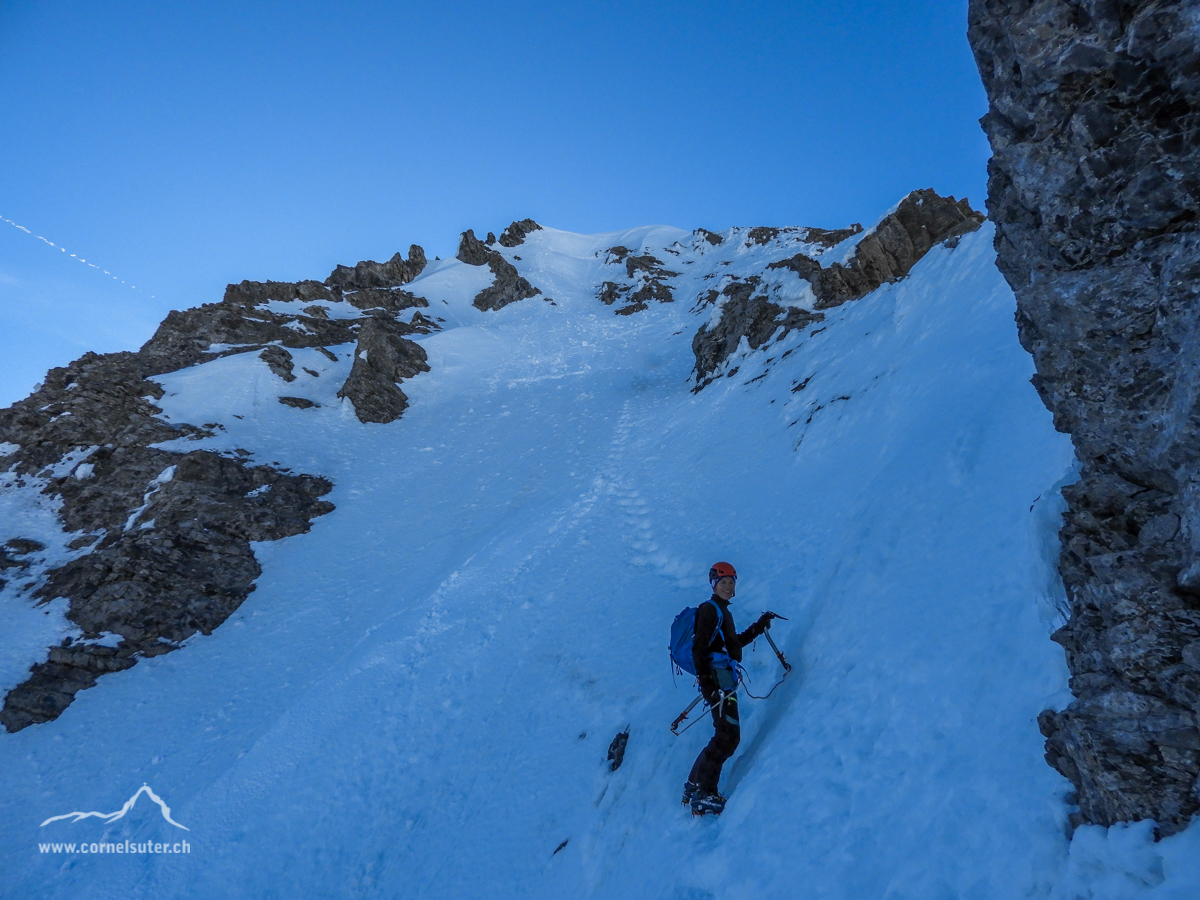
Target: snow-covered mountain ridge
x=417, y=697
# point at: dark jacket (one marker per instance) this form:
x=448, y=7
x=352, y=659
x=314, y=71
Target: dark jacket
x=726, y=640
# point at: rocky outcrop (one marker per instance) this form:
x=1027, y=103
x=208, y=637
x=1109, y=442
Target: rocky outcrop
x=254, y=293
x=831, y=237
x=887, y=254
x=645, y=282
x=383, y=357
x=167, y=533
x=508, y=287
x=514, y=235
x=1094, y=186
x=279, y=361
x=391, y=300
x=745, y=314
x=170, y=531
x=238, y=324
x=473, y=251
x=299, y=403
x=369, y=274
x=763, y=235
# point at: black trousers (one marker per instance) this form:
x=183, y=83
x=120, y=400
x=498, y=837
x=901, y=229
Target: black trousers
x=706, y=771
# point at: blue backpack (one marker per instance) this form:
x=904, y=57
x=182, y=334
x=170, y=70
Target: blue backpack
x=683, y=633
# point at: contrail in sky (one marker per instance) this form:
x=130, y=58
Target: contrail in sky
x=72, y=255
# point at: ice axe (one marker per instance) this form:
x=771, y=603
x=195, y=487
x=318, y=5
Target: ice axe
x=787, y=666
x=683, y=715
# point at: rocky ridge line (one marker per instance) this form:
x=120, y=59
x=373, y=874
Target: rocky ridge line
x=167, y=532
x=883, y=256
x=514, y=235
x=1094, y=185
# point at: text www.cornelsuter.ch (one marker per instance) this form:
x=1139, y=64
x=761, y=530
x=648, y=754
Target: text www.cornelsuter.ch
x=129, y=847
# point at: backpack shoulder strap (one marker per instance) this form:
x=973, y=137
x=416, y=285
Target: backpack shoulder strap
x=720, y=620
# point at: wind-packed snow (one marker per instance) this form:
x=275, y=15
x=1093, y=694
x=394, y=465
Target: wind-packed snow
x=418, y=699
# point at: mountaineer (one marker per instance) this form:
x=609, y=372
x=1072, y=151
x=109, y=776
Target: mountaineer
x=717, y=653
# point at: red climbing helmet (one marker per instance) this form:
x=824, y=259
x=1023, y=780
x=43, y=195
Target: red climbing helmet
x=721, y=570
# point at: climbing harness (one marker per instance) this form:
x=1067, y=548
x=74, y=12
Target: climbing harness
x=741, y=679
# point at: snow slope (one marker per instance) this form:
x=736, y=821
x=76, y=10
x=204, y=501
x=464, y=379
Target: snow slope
x=418, y=699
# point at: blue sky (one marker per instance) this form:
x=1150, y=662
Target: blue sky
x=185, y=146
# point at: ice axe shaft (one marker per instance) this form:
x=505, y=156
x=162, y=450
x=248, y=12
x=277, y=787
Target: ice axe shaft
x=725, y=695
x=683, y=715
x=787, y=667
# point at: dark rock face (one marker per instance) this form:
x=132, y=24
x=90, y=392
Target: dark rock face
x=744, y=315
x=279, y=361
x=887, y=254
x=897, y=243
x=710, y=236
x=298, y=402
x=471, y=250
x=392, y=300
x=761, y=235
x=645, y=281
x=514, y=235
x=252, y=293
x=804, y=266
x=383, y=357
x=171, y=552
x=368, y=274
x=1094, y=185
x=184, y=337
x=831, y=238
x=509, y=286
x=610, y=293
x=651, y=265
x=616, y=751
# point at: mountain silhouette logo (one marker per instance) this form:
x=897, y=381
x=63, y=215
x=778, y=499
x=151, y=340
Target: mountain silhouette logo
x=113, y=816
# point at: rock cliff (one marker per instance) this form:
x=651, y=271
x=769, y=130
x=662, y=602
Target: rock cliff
x=167, y=533
x=1094, y=186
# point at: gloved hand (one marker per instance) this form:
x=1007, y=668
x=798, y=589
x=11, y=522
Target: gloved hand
x=765, y=619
